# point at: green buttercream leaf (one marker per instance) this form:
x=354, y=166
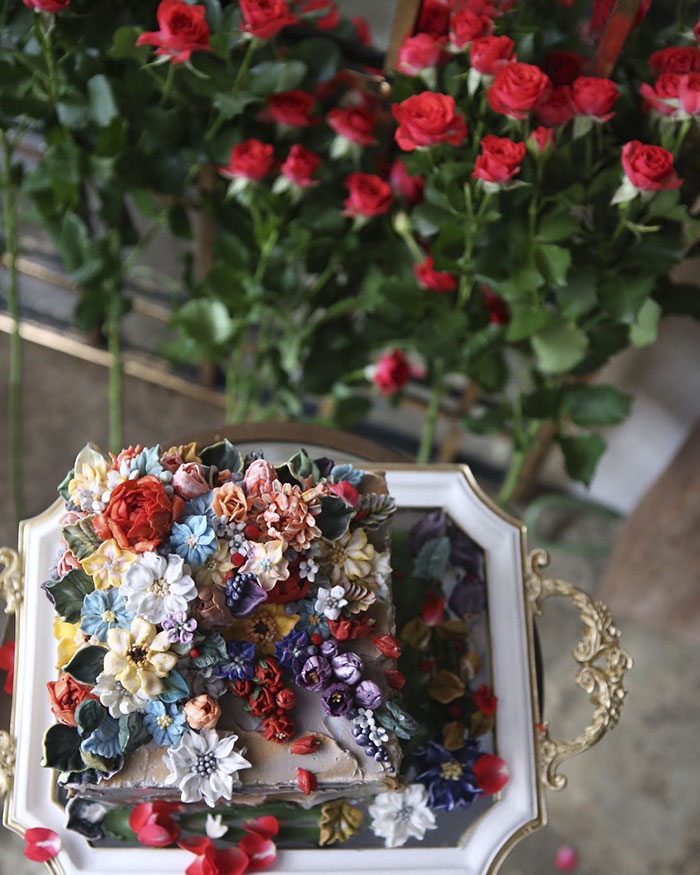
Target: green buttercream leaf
x=174, y=687
x=132, y=733
x=62, y=749
x=224, y=455
x=68, y=593
x=335, y=516
x=87, y=663
x=211, y=651
x=88, y=716
x=432, y=559
x=81, y=538
x=63, y=485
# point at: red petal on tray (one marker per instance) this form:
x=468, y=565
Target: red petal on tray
x=266, y=827
x=307, y=744
x=7, y=663
x=42, y=844
x=387, y=646
x=307, y=781
x=491, y=773
x=261, y=851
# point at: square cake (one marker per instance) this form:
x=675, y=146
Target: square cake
x=225, y=629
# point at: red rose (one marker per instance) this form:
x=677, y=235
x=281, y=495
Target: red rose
x=363, y=34
x=563, y=67
x=489, y=54
x=300, y=166
x=556, y=109
x=356, y=123
x=269, y=674
x=434, y=18
x=649, y=168
x=292, y=108
x=466, y=26
x=189, y=481
x=500, y=159
x=491, y=773
x=485, y=700
x=265, y=18
x=153, y=825
x=434, y=280
x=250, y=159
x=541, y=139
x=657, y=97
x=369, y=195
x=418, y=53
x=290, y=590
x=242, y=689
x=689, y=93
x=499, y=314
x=407, y=187
x=286, y=699
x=65, y=695
x=392, y=372
x=279, y=728
x=139, y=514
x=262, y=702
x=46, y=5
x=328, y=21
x=517, y=89
x=696, y=31
x=183, y=30
x=675, y=59
x=594, y=97
x=426, y=119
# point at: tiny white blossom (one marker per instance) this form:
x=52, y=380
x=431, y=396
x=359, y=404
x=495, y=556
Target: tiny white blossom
x=330, y=601
x=205, y=766
x=116, y=698
x=399, y=816
x=155, y=587
x=378, y=735
x=308, y=569
x=214, y=828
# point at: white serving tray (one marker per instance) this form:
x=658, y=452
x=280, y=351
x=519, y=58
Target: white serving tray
x=514, y=595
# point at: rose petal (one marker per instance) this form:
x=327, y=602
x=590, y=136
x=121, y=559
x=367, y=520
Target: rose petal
x=261, y=852
x=42, y=844
x=491, y=773
x=266, y=827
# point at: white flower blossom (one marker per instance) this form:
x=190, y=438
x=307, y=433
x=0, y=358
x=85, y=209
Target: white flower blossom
x=214, y=828
x=308, y=569
x=155, y=587
x=116, y=698
x=330, y=601
x=399, y=816
x=205, y=766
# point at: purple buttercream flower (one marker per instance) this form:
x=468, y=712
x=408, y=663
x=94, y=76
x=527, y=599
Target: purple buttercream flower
x=329, y=649
x=368, y=695
x=293, y=651
x=448, y=775
x=468, y=597
x=337, y=699
x=433, y=525
x=324, y=465
x=348, y=667
x=241, y=659
x=244, y=594
x=180, y=628
x=315, y=674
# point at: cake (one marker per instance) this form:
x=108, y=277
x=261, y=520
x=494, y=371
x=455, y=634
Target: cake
x=225, y=629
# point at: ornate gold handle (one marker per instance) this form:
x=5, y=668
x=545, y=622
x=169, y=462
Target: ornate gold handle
x=602, y=661
x=11, y=592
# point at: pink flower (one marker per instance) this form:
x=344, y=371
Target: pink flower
x=500, y=159
x=153, y=825
x=46, y=5
x=346, y=491
x=594, y=97
x=259, y=478
x=356, y=123
x=541, y=139
x=392, y=372
x=466, y=26
x=42, y=844
x=517, y=89
x=189, y=481
x=300, y=166
x=491, y=773
x=426, y=119
x=369, y=195
x=249, y=159
x=489, y=54
x=566, y=859
x=649, y=168
x=419, y=52
x=407, y=187
x=183, y=30
x=689, y=93
x=264, y=19
x=434, y=280
x=657, y=97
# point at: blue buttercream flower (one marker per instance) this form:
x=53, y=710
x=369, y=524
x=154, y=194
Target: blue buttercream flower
x=194, y=540
x=241, y=661
x=293, y=650
x=448, y=774
x=102, y=610
x=165, y=722
x=309, y=621
x=200, y=506
x=104, y=741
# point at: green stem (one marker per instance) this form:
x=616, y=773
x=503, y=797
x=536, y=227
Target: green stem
x=245, y=63
x=115, y=372
x=15, y=381
x=169, y=79
x=682, y=134
x=429, y=425
x=235, y=409
x=512, y=477
x=44, y=37
x=325, y=275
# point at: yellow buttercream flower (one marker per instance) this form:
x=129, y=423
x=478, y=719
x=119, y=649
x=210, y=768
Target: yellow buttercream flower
x=69, y=638
x=89, y=482
x=138, y=657
x=108, y=564
x=268, y=624
x=214, y=570
x=187, y=452
x=350, y=557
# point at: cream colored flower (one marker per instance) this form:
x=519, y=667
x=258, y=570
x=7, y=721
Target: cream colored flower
x=214, y=570
x=267, y=562
x=138, y=657
x=350, y=557
x=229, y=501
x=108, y=564
x=89, y=479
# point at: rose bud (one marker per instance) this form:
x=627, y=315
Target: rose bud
x=348, y=667
x=279, y=728
x=395, y=679
x=329, y=649
x=189, y=481
x=286, y=699
x=202, y=712
x=337, y=699
x=368, y=695
x=387, y=646
x=307, y=781
x=306, y=745
x=315, y=674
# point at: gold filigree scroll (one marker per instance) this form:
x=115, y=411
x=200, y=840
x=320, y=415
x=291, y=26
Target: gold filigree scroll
x=10, y=579
x=7, y=762
x=602, y=662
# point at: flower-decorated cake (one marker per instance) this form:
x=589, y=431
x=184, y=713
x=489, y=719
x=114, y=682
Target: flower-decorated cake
x=225, y=629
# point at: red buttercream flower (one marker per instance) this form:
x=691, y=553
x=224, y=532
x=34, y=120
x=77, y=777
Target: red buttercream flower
x=292, y=108
x=139, y=515
x=286, y=699
x=489, y=54
x=328, y=21
x=355, y=123
x=556, y=109
x=407, y=187
x=500, y=159
x=485, y=700
x=292, y=589
x=466, y=26
x=387, y=645
x=65, y=695
x=434, y=280
x=153, y=825
x=593, y=96
x=392, y=372
x=649, y=168
x=675, y=59
x=269, y=674
x=213, y=861
x=183, y=30
x=433, y=609
x=279, y=728
x=7, y=663
x=426, y=119
x=250, y=159
x=265, y=18
x=41, y=844
x=300, y=166
x=346, y=491
x=491, y=773
x=262, y=702
x=369, y=195
x=242, y=689
x=517, y=89
x=307, y=781
x=395, y=679
x=306, y=745
x=419, y=52
x=657, y=96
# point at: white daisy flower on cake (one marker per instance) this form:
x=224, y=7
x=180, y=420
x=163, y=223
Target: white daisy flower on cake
x=399, y=816
x=116, y=698
x=330, y=601
x=155, y=587
x=205, y=766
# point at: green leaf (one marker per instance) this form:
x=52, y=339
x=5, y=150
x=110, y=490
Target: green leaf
x=212, y=651
x=223, y=455
x=63, y=485
x=528, y=321
x=132, y=733
x=591, y=406
x=335, y=516
x=432, y=558
x=124, y=45
x=87, y=664
x=580, y=294
x=232, y=103
x=61, y=748
x=81, y=538
x=301, y=466
x=646, y=328
x=557, y=226
x=68, y=593
x=554, y=262
x=103, y=108
x=174, y=688
x=396, y=720
x=428, y=219
x=73, y=242
x=622, y=295
x=273, y=76
x=681, y=299
x=88, y=716
x=581, y=455
x=543, y=403
x=116, y=824
x=559, y=348
x=73, y=113
x=206, y=321
x=322, y=57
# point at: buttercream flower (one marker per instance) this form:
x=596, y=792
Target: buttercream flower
x=153, y=825
x=308, y=569
x=165, y=722
x=69, y=637
x=139, y=514
x=398, y=816
x=269, y=624
x=279, y=728
x=205, y=766
x=347, y=558
x=66, y=562
x=448, y=775
x=368, y=695
x=216, y=568
x=139, y=658
x=289, y=515
x=116, y=698
x=240, y=664
x=104, y=741
x=183, y=30
x=229, y=501
x=315, y=674
x=347, y=667
x=293, y=650
x=189, y=481
x=65, y=695
x=267, y=562
x=202, y=712
x=329, y=602
x=310, y=621
x=210, y=609
x=244, y=594
x=156, y=587
x=259, y=477
x=214, y=827
x=337, y=699
x=108, y=564
x=89, y=479
x=103, y=610
x=194, y=539
x=180, y=627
